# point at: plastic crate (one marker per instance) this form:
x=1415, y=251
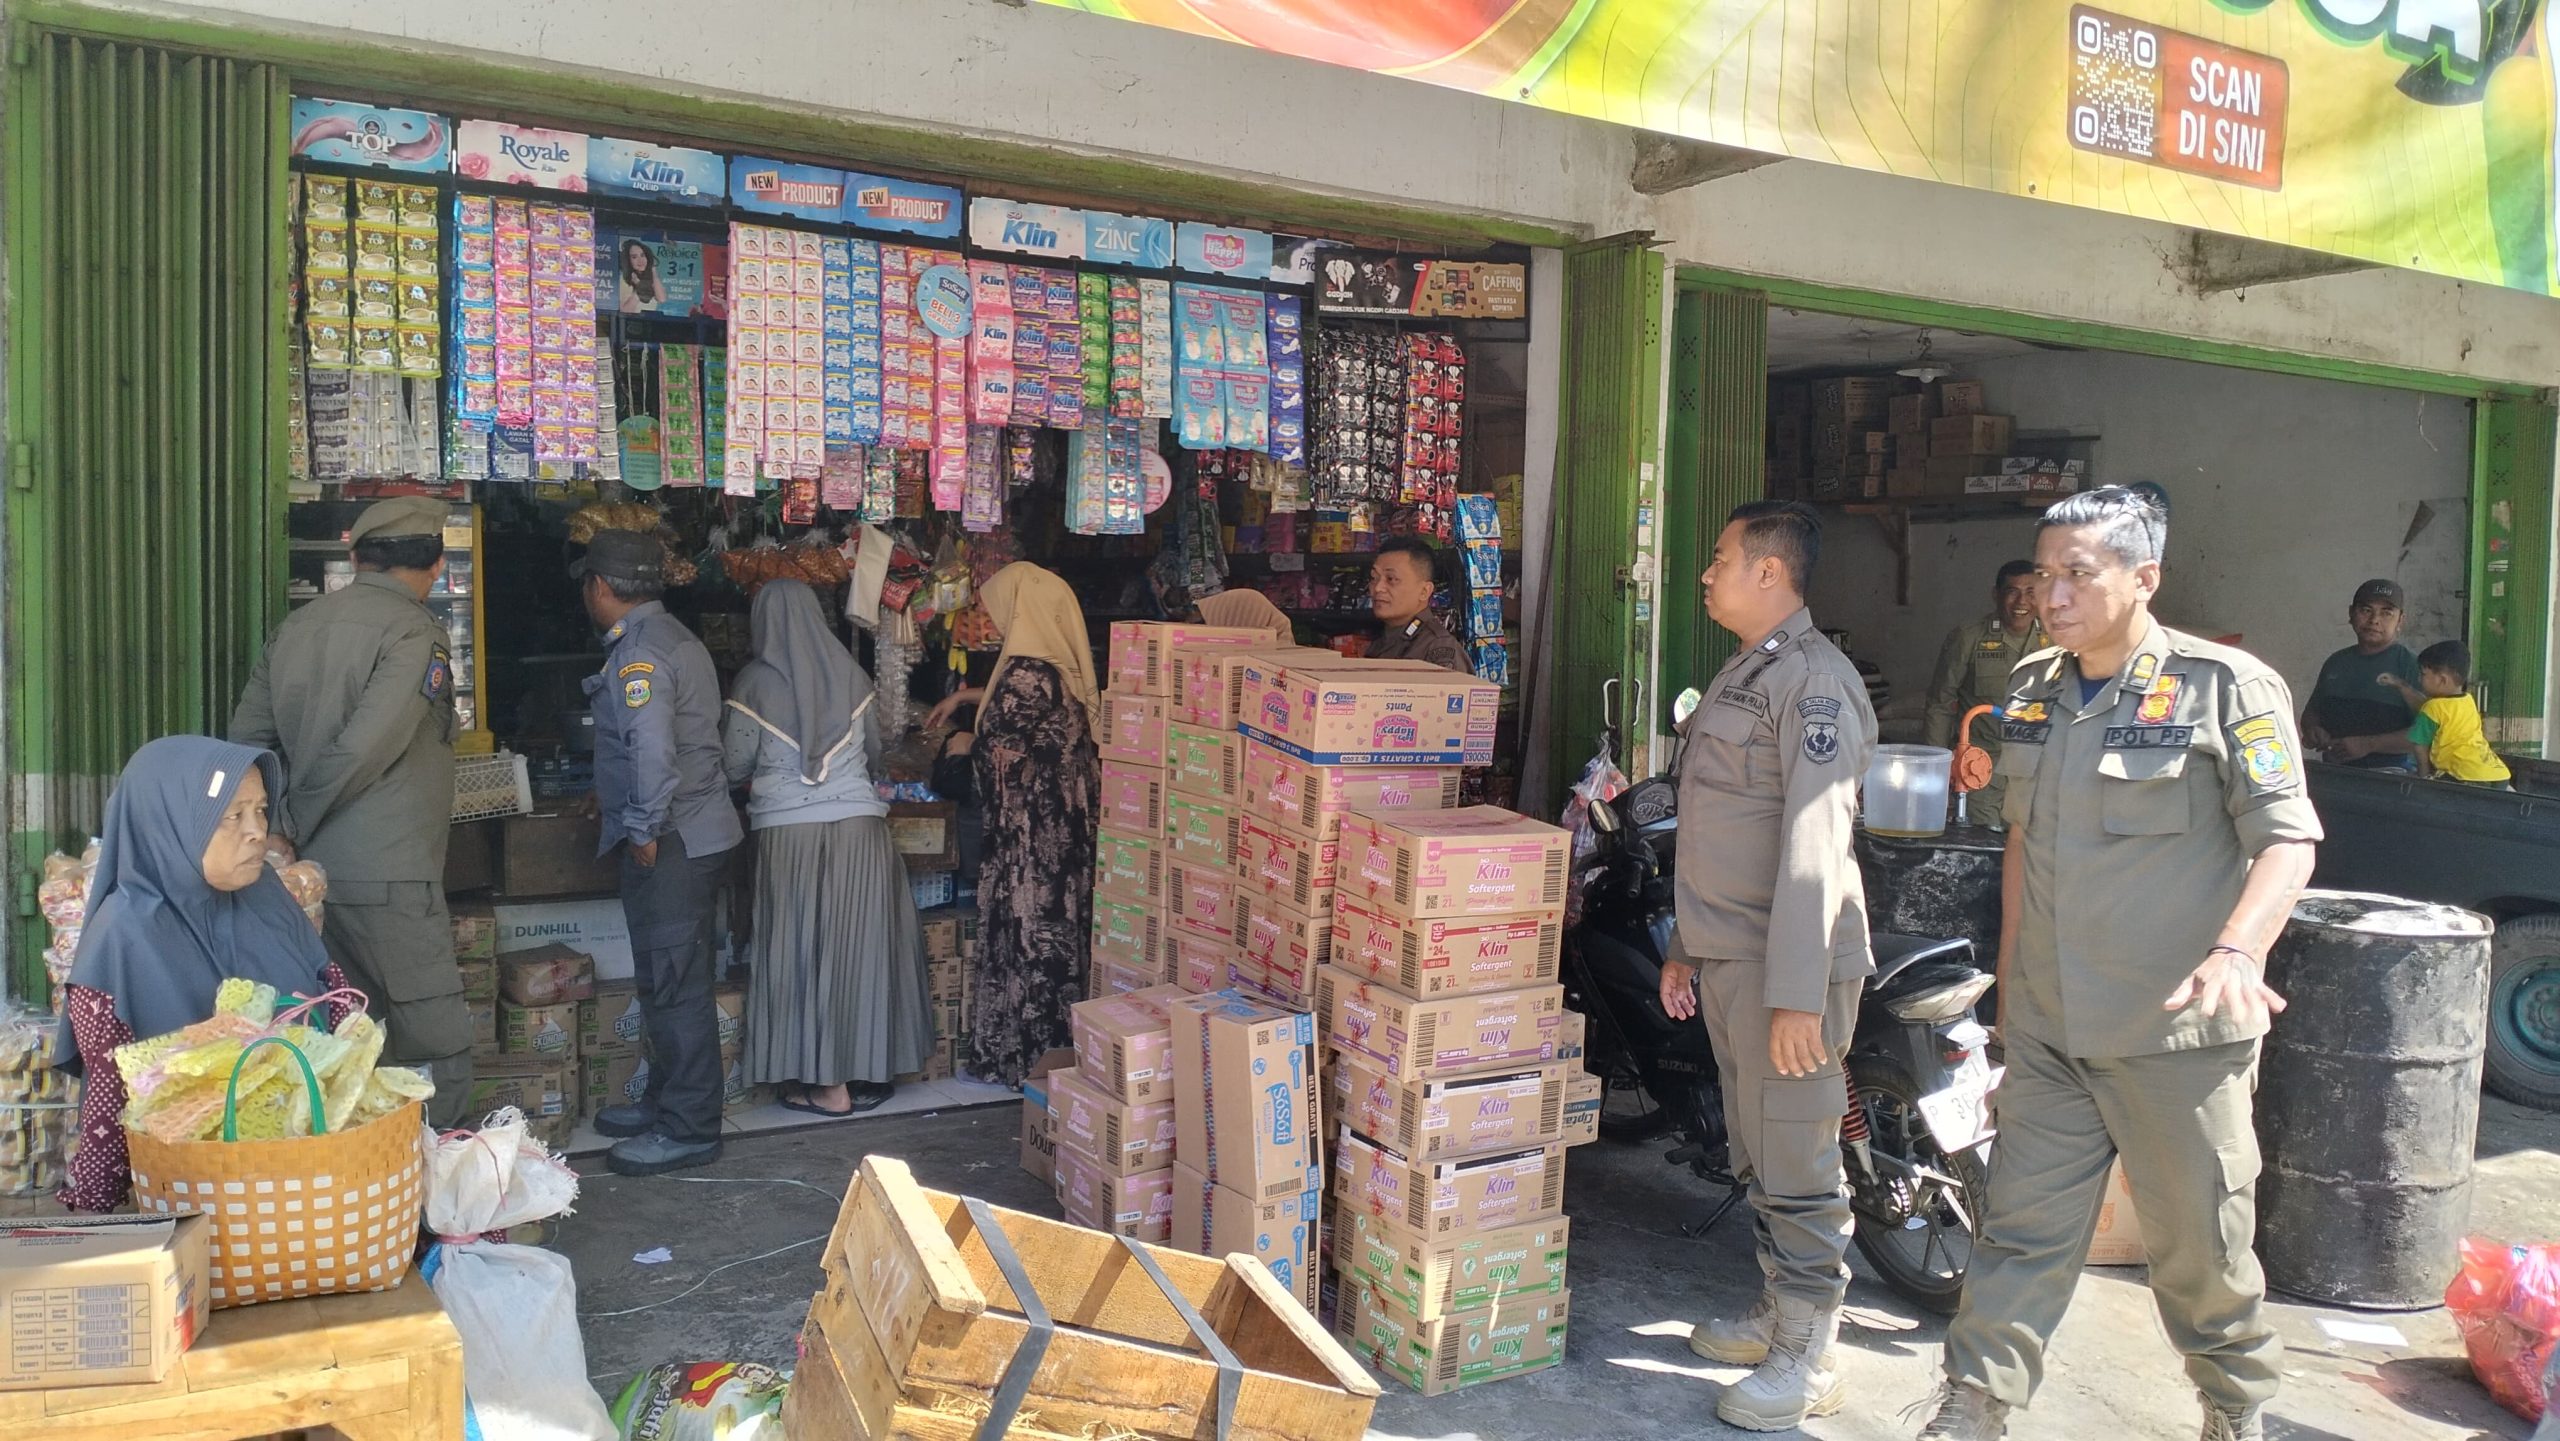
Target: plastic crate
x=494, y=785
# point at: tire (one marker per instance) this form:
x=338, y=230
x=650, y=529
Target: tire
x=1887, y=1094
x=1628, y=1112
x=2523, y=1062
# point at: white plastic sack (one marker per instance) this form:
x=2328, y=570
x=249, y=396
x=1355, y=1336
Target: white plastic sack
x=524, y=1368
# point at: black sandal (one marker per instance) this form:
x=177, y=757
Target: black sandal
x=807, y=1107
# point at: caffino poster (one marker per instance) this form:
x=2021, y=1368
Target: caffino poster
x=2415, y=133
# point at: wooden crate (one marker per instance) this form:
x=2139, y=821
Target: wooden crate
x=916, y=1329
x=926, y=835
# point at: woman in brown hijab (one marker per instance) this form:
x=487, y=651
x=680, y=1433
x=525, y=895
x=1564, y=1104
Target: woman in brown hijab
x=1247, y=608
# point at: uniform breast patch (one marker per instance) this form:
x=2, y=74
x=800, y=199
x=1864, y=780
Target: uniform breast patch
x=2160, y=704
x=1821, y=714
x=635, y=692
x=2149, y=737
x=438, y=684
x=2265, y=760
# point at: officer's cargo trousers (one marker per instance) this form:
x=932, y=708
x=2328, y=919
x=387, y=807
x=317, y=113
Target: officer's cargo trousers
x=2181, y=1120
x=394, y=940
x=668, y=906
x=1785, y=1131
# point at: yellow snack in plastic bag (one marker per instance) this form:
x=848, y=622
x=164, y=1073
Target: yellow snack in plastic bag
x=389, y=1088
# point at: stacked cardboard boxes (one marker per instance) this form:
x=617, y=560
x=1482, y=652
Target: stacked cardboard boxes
x=1455, y=1081
x=950, y=947
x=1248, y=1168
x=1111, y=1116
x=1169, y=775
x=1849, y=443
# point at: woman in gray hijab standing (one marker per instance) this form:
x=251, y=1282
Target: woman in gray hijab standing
x=837, y=997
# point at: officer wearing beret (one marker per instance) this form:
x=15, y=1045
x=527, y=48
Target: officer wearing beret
x=2159, y=835
x=355, y=693
x=662, y=798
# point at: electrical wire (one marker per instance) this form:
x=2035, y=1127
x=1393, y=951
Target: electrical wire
x=727, y=1265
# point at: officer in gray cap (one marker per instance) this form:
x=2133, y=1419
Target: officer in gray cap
x=355, y=693
x=662, y=798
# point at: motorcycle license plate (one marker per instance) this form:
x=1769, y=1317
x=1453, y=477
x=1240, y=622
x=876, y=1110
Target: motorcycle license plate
x=1959, y=1113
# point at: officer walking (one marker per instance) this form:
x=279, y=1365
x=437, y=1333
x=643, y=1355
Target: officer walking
x=1973, y=670
x=2159, y=835
x=1773, y=922
x=355, y=692
x=661, y=797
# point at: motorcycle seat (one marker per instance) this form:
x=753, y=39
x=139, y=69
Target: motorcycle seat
x=1896, y=954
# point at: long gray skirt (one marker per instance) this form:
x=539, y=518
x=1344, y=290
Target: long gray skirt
x=837, y=990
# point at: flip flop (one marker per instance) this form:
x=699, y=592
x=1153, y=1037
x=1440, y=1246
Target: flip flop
x=807, y=1107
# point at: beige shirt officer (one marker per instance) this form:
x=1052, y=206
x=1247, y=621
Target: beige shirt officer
x=2159, y=835
x=1773, y=921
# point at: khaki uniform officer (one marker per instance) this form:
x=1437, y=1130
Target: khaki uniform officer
x=355, y=692
x=2158, y=837
x=1973, y=670
x=1773, y=921
x=1401, y=579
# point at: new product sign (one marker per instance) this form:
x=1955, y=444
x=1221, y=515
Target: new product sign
x=911, y=207
x=778, y=187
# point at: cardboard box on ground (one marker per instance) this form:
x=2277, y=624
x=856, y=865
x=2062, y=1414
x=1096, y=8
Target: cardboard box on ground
x=100, y=1300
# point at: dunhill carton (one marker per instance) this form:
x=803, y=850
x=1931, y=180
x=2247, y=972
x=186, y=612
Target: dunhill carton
x=1473, y=861
x=1446, y=956
x=1412, y=1040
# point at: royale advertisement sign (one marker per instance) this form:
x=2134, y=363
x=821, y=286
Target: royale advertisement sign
x=2415, y=133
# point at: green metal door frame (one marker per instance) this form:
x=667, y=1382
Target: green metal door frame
x=1719, y=413
x=2510, y=574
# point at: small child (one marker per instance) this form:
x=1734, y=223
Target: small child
x=2448, y=735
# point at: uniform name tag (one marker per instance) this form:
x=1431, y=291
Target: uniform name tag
x=2024, y=733
x=1750, y=700
x=2149, y=737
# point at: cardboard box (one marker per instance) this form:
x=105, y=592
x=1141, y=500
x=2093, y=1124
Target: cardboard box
x=1583, y=1093
x=1039, y=1140
x=1960, y=397
x=1100, y=1199
x=1132, y=798
x=546, y=975
x=1290, y=866
x=1201, y=897
x=1202, y=829
x=1287, y=943
x=598, y=928
x=1433, y=1279
x=1460, y=1116
x=1443, y=1199
x=610, y=1022
x=1124, y=1043
x=1849, y=396
x=1512, y=1337
x=1273, y=988
x=1446, y=956
x=615, y=1079
x=1473, y=861
x=484, y=1027
x=1208, y=681
x=1218, y=1221
x=2119, y=1238
x=479, y=980
x=1907, y=482
x=547, y=1031
x=1245, y=1074
x=100, y=1300
x=1126, y=932
x=1119, y=978
x=475, y=931
x=1124, y=1139
x=1911, y=414
x=1972, y=435
x=1143, y=652
x=552, y=855
x=1369, y=712
x=951, y=936
x=1311, y=798
x=729, y=999
x=1570, y=1035
x=540, y=1088
x=1203, y=760
x=1413, y=1040
x=1130, y=864
x=1133, y=729
x=1199, y=963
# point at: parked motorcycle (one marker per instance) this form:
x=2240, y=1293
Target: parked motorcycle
x=1915, y=1129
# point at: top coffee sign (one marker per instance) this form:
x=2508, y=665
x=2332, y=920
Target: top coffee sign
x=2178, y=101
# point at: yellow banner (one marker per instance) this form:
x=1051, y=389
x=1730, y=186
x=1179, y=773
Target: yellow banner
x=2415, y=133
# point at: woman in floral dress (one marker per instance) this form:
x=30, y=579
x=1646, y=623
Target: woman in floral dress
x=1038, y=785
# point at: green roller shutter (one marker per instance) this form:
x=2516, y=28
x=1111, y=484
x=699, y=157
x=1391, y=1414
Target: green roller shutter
x=2511, y=566
x=147, y=253
x=1604, y=456
x=1714, y=462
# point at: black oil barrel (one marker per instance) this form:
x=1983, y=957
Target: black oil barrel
x=1941, y=887
x=2369, y=1098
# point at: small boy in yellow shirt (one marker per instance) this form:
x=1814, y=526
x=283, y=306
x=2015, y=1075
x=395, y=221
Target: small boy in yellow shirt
x=2449, y=738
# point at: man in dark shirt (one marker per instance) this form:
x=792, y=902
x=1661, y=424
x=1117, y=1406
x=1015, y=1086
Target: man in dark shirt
x=1401, y=580
x=2352, y=717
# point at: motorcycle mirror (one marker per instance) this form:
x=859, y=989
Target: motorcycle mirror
x=1685, y=705
x=1603, y=819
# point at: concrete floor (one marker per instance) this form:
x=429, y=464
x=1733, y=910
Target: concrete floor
x=1637, y=1284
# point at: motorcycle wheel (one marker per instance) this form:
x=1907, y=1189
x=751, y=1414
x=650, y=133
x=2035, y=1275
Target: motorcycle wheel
x=1921, y=1251
x=1628, y=1111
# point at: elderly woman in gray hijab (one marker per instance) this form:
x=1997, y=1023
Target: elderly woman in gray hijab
x=837, y=999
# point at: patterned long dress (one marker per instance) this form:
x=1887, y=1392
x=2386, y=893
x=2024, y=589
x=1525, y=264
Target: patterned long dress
x=1039, y=788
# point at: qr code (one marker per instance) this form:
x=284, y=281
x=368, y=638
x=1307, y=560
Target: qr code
x=2115, y=86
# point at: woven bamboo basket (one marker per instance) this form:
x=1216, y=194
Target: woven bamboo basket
x=303, y=1216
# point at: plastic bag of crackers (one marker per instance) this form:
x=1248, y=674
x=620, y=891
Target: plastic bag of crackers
x=36, y=1106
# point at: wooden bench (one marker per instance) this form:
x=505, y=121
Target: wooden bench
x=385, y=1366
